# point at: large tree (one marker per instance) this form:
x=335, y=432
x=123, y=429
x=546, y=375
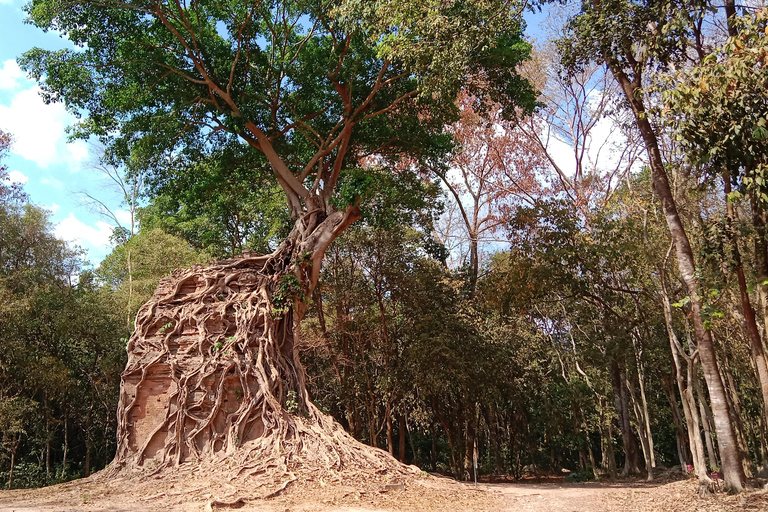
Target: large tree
x=318, y=90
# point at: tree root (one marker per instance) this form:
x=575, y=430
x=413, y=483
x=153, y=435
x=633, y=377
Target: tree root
x=214, y=379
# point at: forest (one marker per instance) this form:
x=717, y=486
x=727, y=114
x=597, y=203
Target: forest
x=456, y=237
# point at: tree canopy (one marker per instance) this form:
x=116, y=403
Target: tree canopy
x=313, y=86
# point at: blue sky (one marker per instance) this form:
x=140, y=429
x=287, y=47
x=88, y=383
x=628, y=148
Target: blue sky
x=53, y=171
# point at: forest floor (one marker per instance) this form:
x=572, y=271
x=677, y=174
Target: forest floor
x=426, y=493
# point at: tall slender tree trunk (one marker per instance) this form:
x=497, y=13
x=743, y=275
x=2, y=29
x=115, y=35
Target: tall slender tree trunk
x=471, y=439
x=401, y=437
x=708, y=422
x=446, y=428
x=433, y=451
x=733, y=470
x=128, y=318
x=646, y=424
x=474, y=263
x=684, y=384
x=761, y=259
x=46, y=406
x=606, y=442
x=66, y=441
x=642, y=434
x=622, y=409
x=388, y=417
x=493, y=436
x=88, y=438
x=683, y=452
x=15, y=446
x=592, y=464
x=753, y=333
x=738, y=422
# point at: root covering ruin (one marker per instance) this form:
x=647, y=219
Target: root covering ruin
x=214, y=381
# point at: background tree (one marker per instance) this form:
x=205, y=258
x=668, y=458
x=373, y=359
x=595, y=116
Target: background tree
x=493, y=169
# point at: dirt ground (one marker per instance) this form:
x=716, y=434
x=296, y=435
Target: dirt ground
x=426, y=493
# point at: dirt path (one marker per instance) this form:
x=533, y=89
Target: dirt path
x=556, y=497
x=428, y=494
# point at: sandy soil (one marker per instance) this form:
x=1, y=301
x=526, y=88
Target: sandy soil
x=426, y=493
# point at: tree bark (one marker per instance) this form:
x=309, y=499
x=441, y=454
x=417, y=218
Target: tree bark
x=88, y=440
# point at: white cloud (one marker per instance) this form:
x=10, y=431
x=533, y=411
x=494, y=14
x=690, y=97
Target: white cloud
x=10, y=73
x=562, y=154
x=37, y=128
x=78, y=152
x=124, y=217
x=52, y=182
x=53, y=208
x=17, y=177
x=73, y=230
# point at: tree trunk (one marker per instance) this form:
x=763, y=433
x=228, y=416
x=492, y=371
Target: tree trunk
x=441, y=418
x=705, y=412
x=761, y=258
x=128, y=318
x=733, y=472
x=683, y=453
x=88, y=440
x=606, y=442
x=433, y=451
x=46, y=405
x=641, y=432
x=622, y=409
x=14, y=447
x=763, y=438
x=388, y=418
x=213, y=365
x=66, y=442
x=493, y=436
x=591, y=454
x=401, y=437
x=684, y=385
x=738, y=422
x=474, y=263
x=469, y=446
x=753, y=333
x=646, y=423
